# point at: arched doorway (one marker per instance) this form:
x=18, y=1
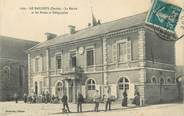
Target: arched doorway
x=123, y=84
x=59, y=89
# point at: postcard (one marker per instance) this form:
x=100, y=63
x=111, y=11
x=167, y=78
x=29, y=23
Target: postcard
x=91, y=57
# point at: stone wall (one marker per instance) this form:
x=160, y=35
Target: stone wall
x=160, y=93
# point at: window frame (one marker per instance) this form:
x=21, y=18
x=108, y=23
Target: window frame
x=122, y=59
x=156, y=81
x=162, y=78
x=73, y=53
x=123, y=85
x=89, y=48
x=56, y=61
x=91, y=84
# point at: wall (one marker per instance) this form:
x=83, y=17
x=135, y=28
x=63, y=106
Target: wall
x=159, y=50
x=160, y=93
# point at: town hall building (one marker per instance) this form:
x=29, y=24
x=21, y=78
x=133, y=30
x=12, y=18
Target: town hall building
x=117, y=55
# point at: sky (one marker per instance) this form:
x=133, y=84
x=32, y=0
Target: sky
x=22, y=24
x=17, y=20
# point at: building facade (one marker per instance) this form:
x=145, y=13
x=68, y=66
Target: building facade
x=13, y=67
x=118, y=55
x=180, y=67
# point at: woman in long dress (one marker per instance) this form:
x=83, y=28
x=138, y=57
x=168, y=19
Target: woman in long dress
x=125, y=99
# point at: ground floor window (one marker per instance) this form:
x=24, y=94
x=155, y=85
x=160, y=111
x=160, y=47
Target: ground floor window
x=91, y=84
x=154, y=80
x=122, y=84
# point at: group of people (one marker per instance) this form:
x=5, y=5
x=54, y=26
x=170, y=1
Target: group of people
x=43, y=98
x=97, y=99
x=47, y=98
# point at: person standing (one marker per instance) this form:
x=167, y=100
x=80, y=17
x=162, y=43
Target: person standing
x=25, y=98
x=108, y=101
x=136, y=100
x=80, y=100
x=47, y=97
x=64, y=100
x=97, y=101
x=125, y=99
x=16, y=98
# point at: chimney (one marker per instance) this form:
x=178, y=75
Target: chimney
x=89, y=24
x=99, y=22
x=71, y=29
x=50, y=36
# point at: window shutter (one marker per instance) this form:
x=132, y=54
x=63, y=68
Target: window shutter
x=33, y=65
x=40, y=64
x=114, y=52
x=114, y=90
x=84, y=91
x=129, y=57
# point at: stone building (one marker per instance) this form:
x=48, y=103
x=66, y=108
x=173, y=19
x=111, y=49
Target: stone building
x=117, y=55
x=13, y=67
x=180, y=67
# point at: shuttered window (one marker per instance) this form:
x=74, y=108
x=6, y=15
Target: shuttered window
x=90, y=57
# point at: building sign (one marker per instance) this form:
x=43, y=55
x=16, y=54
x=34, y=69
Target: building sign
x=163, y=15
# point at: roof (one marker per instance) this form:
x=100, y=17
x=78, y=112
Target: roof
x=103, y=28
x=13, y=48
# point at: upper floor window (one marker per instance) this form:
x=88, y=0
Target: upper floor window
x=73, y=59
x=58, y=61
x=122, y=51
x=37, y=64
x=90, y=57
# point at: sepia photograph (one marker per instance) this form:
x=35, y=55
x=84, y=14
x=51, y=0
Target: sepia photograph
x=92, y=57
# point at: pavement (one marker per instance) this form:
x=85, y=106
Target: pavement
x=22, y=109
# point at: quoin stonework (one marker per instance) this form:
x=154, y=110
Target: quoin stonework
x=113, y=56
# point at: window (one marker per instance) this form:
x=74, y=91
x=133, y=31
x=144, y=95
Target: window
x=59, y=86
x=36, y=64
x=6, y=71
x=123, y=83
x=91, y=84
x=122, y=51
x=90, y=57
x=73, y=60
x=154, y=80
x=58, y=61
x=161, y=81
x=169, y=80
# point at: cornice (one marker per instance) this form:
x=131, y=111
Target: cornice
x=108, y=35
